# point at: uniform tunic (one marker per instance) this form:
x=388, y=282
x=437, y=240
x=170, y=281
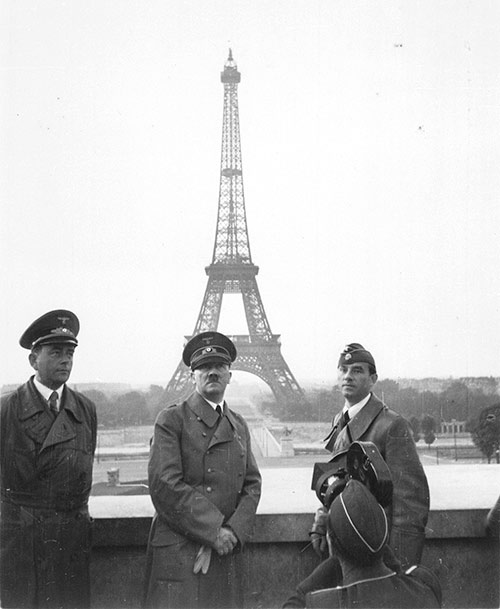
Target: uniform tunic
x=418, y=588
x=391, y=434
x=202, y=475
x=46, y=477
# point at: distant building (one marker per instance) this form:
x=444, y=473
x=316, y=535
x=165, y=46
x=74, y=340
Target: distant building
x=489, y=385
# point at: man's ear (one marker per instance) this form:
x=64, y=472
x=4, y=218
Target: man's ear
x=230, y=375
x=33, y=360
x=191, y=376
x=374, y=378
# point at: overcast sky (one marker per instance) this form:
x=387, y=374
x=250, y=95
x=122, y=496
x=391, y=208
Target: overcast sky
x=371, y=154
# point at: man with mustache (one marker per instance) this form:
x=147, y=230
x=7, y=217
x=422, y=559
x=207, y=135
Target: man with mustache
x=47, y=444
x=366, y=418
x=205, y=486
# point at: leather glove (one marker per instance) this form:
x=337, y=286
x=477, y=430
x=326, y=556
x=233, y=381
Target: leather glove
x=202, y=561
x=318, y=532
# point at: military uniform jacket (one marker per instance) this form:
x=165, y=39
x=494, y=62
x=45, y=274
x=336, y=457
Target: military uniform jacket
x=202, y=475
x=391, y=433
x=417, y=588
x=46, y=477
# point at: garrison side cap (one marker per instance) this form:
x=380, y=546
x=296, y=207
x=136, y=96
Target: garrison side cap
x=357, y=523
x=59, y=326
x=208, y=347
x=354, y=353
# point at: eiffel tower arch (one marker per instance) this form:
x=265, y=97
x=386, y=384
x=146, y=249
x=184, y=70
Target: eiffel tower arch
x=232, y=271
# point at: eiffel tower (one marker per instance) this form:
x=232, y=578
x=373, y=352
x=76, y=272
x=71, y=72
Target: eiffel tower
x=232, y=271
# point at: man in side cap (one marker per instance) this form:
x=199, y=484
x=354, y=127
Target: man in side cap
x=47, y=444
x=366, y=418
x=205, y=486
x=358, y=531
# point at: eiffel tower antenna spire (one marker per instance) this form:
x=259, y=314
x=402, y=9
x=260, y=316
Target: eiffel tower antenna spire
x=232, y=271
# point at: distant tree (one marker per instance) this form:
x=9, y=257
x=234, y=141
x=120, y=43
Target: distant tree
x=155, y=401
x=485, y=432
x=321, y=405
x=415, y=427
x=454, y=401
x=102, y=406
x=428, y=427
x=274, y=409
x=388, y=390
x=429, y=437
x=429, y=404
x=409, y=402
x=477, y=400
x=131, y=408
x=98, y=397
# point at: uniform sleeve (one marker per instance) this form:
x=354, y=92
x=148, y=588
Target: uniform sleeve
x=429, y=579
x=327, y=574
x=186, y=510
x=410, y=505
x=243, y=519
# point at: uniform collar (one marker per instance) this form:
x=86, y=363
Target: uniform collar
x=31, y=401
x=46, y=392
x=202, y=409
x=355, y=408
x=214, y=404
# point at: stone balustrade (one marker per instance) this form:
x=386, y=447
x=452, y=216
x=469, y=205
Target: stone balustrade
x=279, y=556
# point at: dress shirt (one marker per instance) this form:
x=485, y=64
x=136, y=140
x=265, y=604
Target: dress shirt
x=355, y=408
x=46, y=392
x=214, y=405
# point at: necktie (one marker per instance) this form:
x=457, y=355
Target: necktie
x=218, y=409
x=345, y=419
x=53, y=403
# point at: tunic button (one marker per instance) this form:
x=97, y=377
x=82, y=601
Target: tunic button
x=204, y=434
x=209, y=489
x=209, y=469
x=198, y=419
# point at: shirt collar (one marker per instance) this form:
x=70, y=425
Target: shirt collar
x=214, y=404
x=355, y=408
x=45, y=391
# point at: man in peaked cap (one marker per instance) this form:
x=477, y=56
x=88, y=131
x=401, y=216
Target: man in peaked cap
x=205, y=486
x=358, y=531
x=366, y=418
x=47, y=444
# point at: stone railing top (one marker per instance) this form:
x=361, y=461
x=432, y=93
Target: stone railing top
x=288, y=491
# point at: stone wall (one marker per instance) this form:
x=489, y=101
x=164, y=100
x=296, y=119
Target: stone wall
x=280, y=556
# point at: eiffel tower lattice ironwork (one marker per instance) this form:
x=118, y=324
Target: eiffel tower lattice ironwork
x=232, y=271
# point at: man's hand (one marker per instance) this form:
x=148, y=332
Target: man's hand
x=226, y=541
x=318, y=532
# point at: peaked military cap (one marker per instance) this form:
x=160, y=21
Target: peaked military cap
x=59, y=326
x=208, y=347
x=354, y=353
x=358, y=524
